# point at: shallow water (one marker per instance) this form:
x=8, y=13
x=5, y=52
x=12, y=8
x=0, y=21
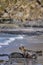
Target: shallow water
x=10, y=43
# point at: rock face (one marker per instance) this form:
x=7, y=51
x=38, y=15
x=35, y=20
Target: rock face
x=21, y=10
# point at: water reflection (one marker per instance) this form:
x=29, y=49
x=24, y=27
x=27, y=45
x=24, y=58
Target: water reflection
x=23, y=62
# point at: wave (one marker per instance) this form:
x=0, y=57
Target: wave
x=6, y=41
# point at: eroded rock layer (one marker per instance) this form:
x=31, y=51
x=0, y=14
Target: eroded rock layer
x=21, y=10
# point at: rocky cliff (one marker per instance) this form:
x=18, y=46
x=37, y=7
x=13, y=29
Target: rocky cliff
x=22, y=12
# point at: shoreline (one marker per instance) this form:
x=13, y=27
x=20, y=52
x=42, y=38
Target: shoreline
x=28, y=31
